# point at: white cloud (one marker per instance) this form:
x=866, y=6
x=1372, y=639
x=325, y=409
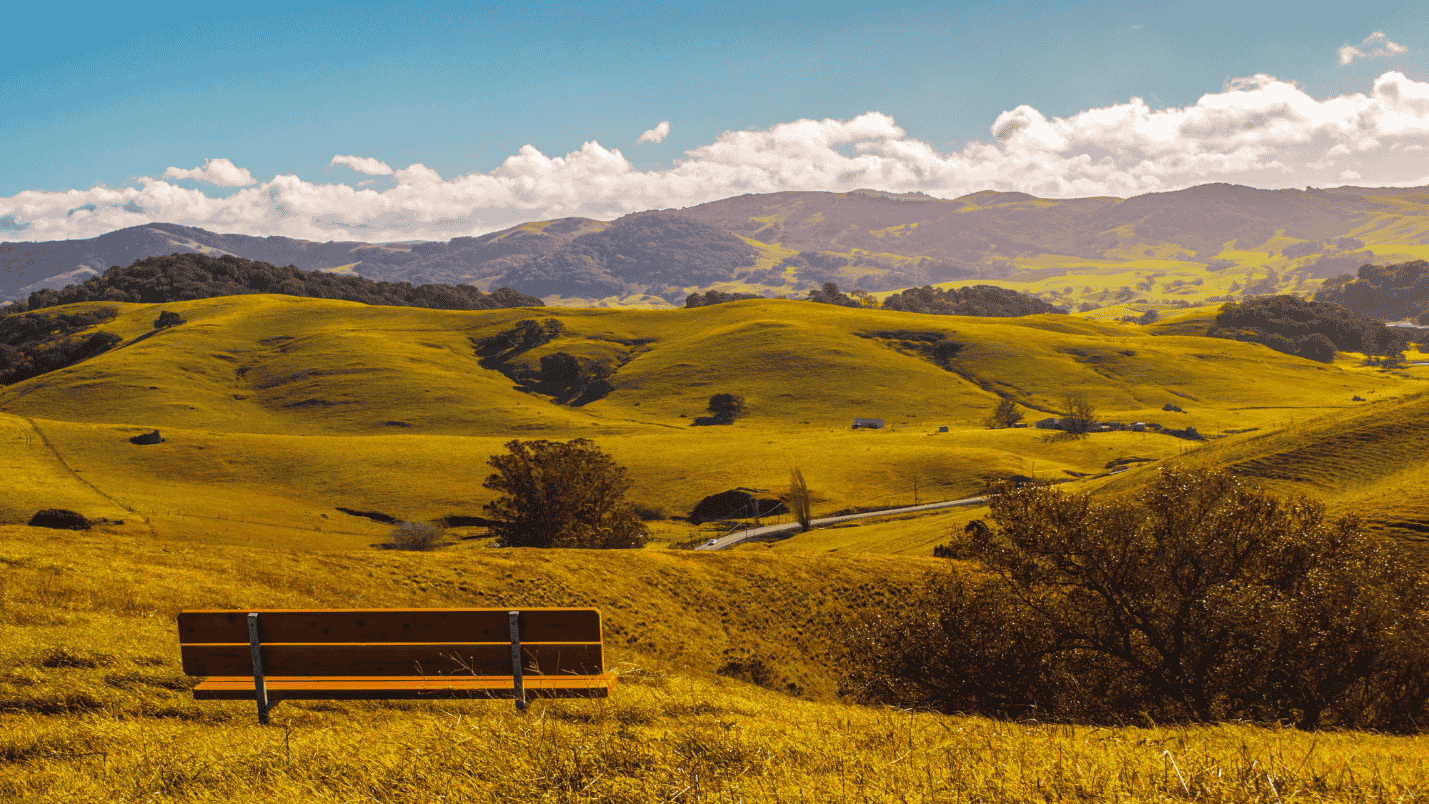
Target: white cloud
x=655, y=134
x=362, y=164
x=1260, y=131
x=1349, y=53
x=215, y=171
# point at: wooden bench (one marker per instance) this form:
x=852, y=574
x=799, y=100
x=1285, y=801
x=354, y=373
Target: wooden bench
x=272, y=655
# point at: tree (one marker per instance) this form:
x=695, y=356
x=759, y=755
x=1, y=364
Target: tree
x=1200, y=599
x=1006, y=415
x=1316, y=346
x=1081, y=413
x=168, y=318
x=799, y=498
x=562, y=495
x=864, y=298
x=726, y=407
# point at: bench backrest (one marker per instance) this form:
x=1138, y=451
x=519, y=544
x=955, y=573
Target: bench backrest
x=391, y=642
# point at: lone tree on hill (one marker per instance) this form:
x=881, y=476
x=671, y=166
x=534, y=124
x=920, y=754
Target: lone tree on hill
x=562, y=495
x=1006, y=415
x=168, y=318
x=726, y=407
x=1081, y=413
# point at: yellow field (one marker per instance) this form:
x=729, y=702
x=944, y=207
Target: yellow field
x=94, y=705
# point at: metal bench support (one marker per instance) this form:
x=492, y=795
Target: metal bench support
x=520, y=690
x=260, y=687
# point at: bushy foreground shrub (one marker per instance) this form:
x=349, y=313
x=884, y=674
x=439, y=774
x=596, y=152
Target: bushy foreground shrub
x=1202, y=599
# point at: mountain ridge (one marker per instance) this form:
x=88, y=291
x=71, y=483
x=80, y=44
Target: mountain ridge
x=791, y=242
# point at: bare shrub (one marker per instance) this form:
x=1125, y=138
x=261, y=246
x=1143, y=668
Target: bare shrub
x=799, y=498
x=650, y=511
x=415, y=536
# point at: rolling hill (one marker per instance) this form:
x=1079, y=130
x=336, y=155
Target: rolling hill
x=278, y=411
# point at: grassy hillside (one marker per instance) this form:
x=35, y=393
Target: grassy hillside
x=1367, y=460
x=94, y=705
x=276, y=411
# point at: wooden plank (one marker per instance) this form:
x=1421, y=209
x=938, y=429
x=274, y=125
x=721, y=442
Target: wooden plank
x=240, y=688
x=390, y=625
x=391, y=659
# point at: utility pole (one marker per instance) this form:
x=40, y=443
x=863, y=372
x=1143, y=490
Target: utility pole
x=915, y=486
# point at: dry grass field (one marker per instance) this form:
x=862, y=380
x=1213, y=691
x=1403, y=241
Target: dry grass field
x=94, y=706
x=278, y=411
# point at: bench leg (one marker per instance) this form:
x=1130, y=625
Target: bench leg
x=260, y=686
x=515, y=620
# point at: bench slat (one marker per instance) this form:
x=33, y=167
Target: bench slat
x=390, y=625
x=394, y=688
x=392, y=659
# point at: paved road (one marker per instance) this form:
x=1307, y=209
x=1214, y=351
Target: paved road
x=739, y=537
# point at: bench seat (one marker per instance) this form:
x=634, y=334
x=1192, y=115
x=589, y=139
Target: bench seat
x=271, y=655
x=336, y=688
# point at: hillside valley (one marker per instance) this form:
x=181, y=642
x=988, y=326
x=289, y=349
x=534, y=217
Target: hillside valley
x=277, y=412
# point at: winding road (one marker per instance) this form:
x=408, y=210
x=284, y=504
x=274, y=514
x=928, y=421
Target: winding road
x=742, y=536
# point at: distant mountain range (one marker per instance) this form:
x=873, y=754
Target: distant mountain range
x=791, y=242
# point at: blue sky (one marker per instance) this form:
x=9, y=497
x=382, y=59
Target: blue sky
x=113, y=96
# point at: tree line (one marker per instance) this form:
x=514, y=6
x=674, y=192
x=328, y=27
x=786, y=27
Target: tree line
x=1386, y=292
x=32, y=344
x=1310, y=329
x=181, y=277
x=978, y=300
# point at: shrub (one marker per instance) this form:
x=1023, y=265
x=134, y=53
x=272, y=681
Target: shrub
x=59, y=519
x=1202, y=599
x=414, y=536
x=650, y=511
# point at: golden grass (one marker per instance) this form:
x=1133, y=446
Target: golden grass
x=1367, y=460
x=275, y=413
x=94, y=706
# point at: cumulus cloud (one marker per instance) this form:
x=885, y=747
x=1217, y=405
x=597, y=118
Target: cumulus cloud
x=1378, y=44
x=362, y=164
x=655, y=134
x=215, y=171
x=1260, y=131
